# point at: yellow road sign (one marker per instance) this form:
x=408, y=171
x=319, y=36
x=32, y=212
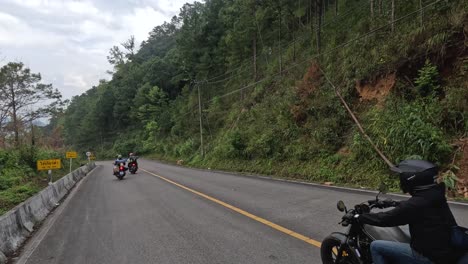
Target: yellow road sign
x=51, y=164
x=71, y=155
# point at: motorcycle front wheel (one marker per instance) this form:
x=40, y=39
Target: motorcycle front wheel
x=329, y=252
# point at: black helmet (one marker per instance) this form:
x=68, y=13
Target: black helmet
x=416, y=175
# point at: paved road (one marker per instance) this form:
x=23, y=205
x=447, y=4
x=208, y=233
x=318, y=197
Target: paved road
x=146, y=219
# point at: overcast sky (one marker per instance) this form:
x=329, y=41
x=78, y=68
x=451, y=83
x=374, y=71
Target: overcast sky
x=67, y=41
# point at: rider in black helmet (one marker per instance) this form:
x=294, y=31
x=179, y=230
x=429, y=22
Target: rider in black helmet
x=427, y=214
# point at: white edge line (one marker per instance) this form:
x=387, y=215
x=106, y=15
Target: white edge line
x=343, y=188
x=299, y=182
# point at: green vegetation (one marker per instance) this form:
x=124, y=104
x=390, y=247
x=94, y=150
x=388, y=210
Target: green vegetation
x=19, y=178
x=22, y=142
x=264, y=104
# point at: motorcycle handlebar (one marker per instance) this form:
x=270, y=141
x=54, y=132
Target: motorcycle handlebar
x=349, y=218
x=382, y=203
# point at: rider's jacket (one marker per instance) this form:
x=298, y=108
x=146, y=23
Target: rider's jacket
x=132, y=159
x=118, y=161
x=430, y=220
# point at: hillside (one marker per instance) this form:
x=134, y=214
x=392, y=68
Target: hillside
x=239, y=85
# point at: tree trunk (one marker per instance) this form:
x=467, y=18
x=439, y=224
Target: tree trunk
x=255, y=56
x=372, y=9
x=15, y=117
x=33, y=142
x=294, y=45
x=254, y=46
x=336, y=7
x=201, y=125
x=393, y=16
x=318, y=5
x=324, y=9
x=279, y=44
x=311, y=16
x=422, y=13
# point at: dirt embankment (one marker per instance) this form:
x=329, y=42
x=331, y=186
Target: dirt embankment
x=377, y=89
x=304, y=89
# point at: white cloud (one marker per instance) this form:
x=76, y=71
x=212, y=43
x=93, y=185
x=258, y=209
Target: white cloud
x=63, y=6
x=15, y=32
x=76, y=81
x=8, y=20
x=142, y=21
x=68, y=40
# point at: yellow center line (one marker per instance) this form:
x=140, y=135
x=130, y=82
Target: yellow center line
x=242, y=212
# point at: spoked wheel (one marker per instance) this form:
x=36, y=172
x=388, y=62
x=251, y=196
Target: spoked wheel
x=329, y=252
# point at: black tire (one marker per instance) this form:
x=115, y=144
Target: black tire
x=329, y=249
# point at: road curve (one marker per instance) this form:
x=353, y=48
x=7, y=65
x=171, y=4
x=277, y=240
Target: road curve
x=171, y=214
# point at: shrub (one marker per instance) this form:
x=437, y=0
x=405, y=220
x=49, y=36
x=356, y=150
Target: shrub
x=427, y=82
x=405, y=129
x=185, y=149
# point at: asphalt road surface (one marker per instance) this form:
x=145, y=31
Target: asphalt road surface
x=171, y=214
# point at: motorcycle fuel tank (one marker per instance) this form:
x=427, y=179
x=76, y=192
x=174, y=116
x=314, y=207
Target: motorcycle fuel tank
x=387, y=233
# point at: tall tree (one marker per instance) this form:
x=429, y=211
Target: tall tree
x=318, y=10
x=393, y=16
x=22, y=92
x=118, y=57
x=129, y=46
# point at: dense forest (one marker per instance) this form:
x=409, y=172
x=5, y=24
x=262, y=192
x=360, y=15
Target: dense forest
x=240, y=85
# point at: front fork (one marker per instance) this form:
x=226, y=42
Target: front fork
x=348, y=248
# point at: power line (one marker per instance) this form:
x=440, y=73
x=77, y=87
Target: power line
x=330, y=51
x=274, y=76
x=327, y=52
x=364, y=35
x=335, y=19
x=316, y=55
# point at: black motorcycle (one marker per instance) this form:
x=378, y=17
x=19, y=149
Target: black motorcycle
x=353, y=245
x=132, y=167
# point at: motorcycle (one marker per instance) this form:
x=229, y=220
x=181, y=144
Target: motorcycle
x=119, y=171
x=353, y=245
x=132, y=167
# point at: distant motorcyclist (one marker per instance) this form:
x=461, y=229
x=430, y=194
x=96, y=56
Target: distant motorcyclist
x=132, y=159
x=117, y=163
x=120, y=160
x=428, y=216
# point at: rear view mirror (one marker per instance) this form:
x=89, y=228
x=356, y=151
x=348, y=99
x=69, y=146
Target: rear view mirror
x=395, y=169
x=383, y=188
x=341, y=206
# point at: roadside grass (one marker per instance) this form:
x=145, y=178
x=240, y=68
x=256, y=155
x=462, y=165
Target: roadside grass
x=19, y=178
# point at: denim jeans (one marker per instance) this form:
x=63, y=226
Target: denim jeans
x=386, y=252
